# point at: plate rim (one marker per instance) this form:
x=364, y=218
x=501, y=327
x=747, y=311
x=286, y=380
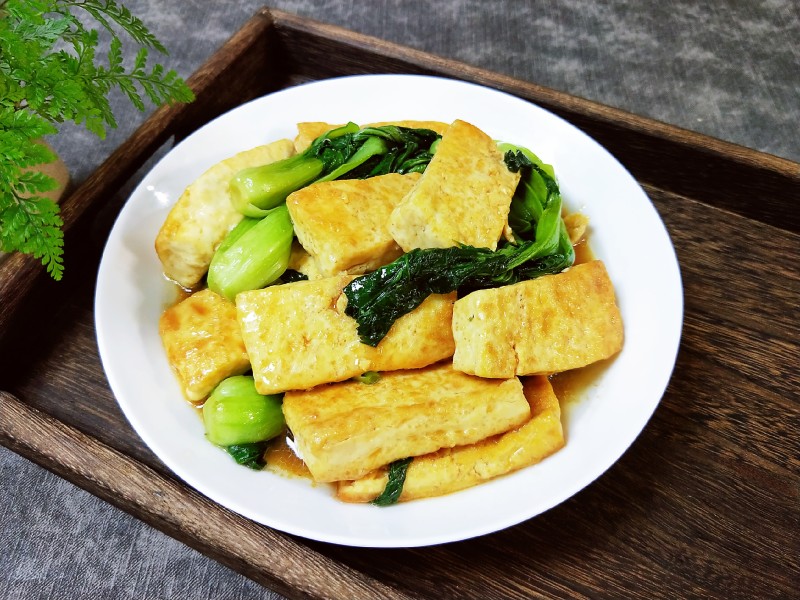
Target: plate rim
x=101, y=324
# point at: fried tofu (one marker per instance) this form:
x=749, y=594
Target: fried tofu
x=342, y=224
x=577, y=224
x=345, y=430
x=436, y=126
x=546, y=325
x=463, y=197
x=298, y=336
x=302, y=262
x=308, y=131
x=203, y=343
x=452, y=469
x=419, y=338
x=204, y=214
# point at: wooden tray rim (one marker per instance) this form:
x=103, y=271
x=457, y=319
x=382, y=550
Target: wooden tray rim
x=273, y=574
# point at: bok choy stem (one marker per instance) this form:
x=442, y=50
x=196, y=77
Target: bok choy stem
x=342, y=152
x=253, y=255
x=236, y=413
x=543, y=247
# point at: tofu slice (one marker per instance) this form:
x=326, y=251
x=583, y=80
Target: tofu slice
x=436, y=126
x=577, y=224
x=453, y=469
x=308, y=131
x=298, y=336
x=342, y=224
x=302, y=262
x=419, y=338
x=546, y=325
x=463, y=196
x=203, y=343
x=346, y=430
x=203, y=215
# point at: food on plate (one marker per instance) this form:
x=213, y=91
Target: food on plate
x=253, y=255
x=317, y=343
x=452, y=469
x=342, y=224
x=467, y=171
x=394, y=297
x=302, y=262
x=307, y=132
x=345, y=430
x=236, y=413
x=347, y=151
x=203, y=343
x=204, y=214
x=540, y=326
x=310, y=131
x=540, y=245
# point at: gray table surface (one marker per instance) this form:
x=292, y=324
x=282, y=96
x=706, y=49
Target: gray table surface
x=730, y=69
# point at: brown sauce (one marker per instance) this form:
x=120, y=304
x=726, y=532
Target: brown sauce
x=583, y=252
x=281, y=459
x=178, y=294
x=570, y=387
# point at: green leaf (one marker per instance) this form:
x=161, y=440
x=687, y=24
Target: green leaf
x=32, y=225
x=50, y=73
x=369, y=377
x=248, y=455
x=394, y=486
x=378, y=299
x=24, y=125
x=107, y=11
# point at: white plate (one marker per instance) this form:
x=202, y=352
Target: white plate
x=626, y=233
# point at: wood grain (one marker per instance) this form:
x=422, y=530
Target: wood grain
x=233, y=75
x=271, y=558
x=704, y=504
x=656, y=153
x=709, y=468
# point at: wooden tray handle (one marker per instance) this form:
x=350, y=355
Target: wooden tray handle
x=266, y=556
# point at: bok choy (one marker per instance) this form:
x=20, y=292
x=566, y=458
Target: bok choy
x=345, y=152
x=236, y=414
x=253, y=255
x=542, y=247
x=256, y=252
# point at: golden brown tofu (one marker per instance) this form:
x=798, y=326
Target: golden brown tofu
x=436, y=126
x=419, y=338
x=577, y=224
x=203, y=342
x=462, y=197
x=342, y=224
x=203, y=215
x=302, y=262
x=345, y=430
x=298, y=336
x=307, y=132
x=454, y=469
x=546, y=325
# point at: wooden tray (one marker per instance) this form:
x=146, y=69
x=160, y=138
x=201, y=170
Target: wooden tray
x=706, y=501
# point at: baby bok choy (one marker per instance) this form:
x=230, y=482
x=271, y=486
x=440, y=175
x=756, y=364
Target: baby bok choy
x=241, y=420
x=253, y=255
x=542, y=247
x=256, y=252
x=345, y=152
